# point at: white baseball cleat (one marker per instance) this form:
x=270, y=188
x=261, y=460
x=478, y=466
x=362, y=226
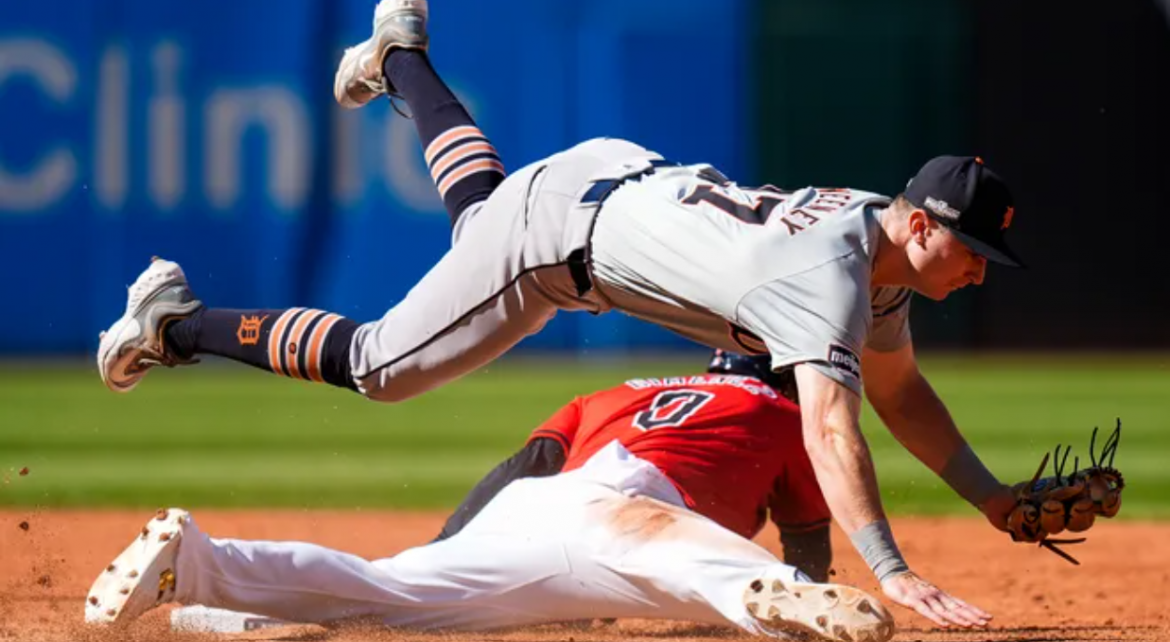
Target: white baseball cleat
x=134, y=344
x=143, y=576
x=820, y=611
x=398, y=24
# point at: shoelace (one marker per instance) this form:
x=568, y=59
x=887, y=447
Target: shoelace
x=379, y=87
x=138, y=290
x=376, y=86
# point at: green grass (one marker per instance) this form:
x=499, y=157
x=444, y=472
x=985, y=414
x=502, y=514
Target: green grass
x=229, y=436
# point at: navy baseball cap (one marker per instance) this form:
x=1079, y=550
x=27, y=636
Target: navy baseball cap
x=758, y=366
x=961, y=193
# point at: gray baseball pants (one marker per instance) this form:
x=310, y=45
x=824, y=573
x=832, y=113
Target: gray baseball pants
x=506, y=274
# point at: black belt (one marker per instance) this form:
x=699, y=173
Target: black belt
x=602, y=189
x=597, y=193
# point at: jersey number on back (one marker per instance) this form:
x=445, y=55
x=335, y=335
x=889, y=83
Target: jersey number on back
x=671, y=408
x=755, y=212
x=760, y=202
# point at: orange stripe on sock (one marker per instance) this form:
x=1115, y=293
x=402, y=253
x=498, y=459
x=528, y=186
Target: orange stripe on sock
x=460, y=153
x=448, y=137
x=317, y=346
x=297, y=341
x=487, y=164
x=274, y=347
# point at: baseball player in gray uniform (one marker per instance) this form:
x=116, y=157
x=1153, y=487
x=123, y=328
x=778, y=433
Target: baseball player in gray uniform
x=818, y=278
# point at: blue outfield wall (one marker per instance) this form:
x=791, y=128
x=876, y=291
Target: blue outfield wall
x=206, y=133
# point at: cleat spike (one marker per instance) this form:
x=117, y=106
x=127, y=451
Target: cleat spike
x=145, y=568
x=843, y=614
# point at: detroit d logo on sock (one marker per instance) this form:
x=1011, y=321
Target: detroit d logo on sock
x=249, y=331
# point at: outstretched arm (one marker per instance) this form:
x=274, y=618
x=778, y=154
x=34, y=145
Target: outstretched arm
x=837, y=449
x=844, y=469
x=541, y=457
x=919, y=420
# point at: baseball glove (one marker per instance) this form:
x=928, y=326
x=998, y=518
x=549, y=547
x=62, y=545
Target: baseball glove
x=1050, y=505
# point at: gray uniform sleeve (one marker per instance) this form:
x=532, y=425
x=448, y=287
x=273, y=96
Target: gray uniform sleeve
x=820, y=317
x=891, y=319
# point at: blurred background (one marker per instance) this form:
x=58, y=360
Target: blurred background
x=207, y=133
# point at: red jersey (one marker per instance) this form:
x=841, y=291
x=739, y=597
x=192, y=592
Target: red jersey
x=731, y=445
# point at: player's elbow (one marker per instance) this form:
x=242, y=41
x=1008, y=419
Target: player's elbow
x=829, y=435
x=829, y=413
x=819, y=440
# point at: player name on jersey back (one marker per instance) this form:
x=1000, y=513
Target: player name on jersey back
x=748, y=384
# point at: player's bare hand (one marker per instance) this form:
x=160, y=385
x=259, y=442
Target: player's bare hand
x=997, y=507
x=933, y=603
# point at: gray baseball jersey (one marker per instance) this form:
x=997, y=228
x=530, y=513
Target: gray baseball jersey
x=751, y=270
x=745, y=270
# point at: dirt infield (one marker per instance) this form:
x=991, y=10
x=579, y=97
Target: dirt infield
x=48, y=559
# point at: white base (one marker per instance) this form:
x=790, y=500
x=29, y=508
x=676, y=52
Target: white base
x=200, y=619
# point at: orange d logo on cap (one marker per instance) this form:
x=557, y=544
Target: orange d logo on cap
x=1007, y=218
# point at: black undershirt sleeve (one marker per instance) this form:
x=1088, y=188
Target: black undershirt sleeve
x=541, y=457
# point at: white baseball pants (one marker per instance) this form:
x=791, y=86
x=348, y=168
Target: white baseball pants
x=609, y=540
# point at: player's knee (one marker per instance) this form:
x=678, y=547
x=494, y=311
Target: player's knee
x=383, y=394
x=384, y=389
